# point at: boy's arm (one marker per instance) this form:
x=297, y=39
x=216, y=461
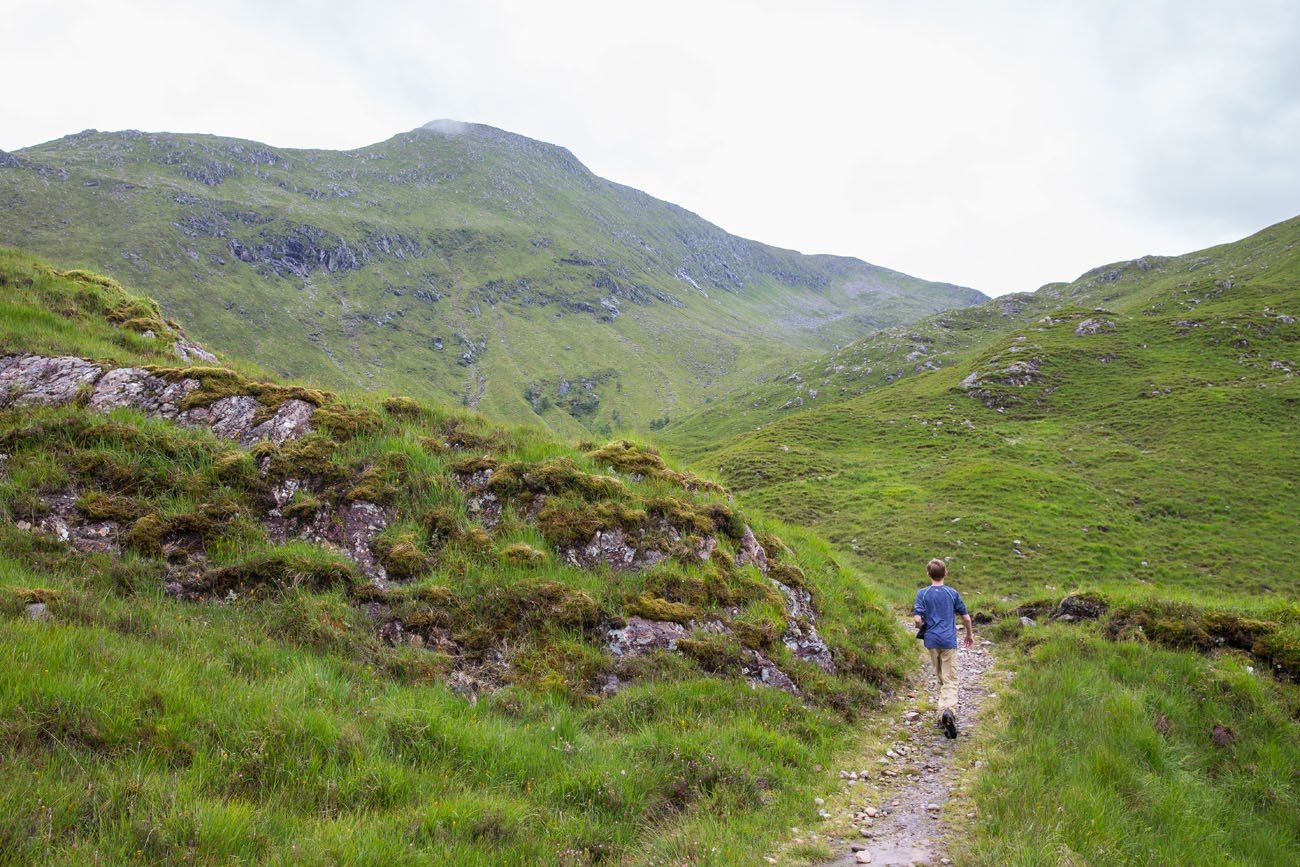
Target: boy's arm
x=970, y=629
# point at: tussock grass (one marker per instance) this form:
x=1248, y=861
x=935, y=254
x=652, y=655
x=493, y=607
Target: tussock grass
x=270, y=724
x=1107, y=754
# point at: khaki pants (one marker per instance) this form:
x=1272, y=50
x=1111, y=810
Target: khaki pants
x=945, y=671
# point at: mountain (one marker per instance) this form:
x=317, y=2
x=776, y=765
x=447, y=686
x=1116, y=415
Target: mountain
x=456, y=261
x=248, y=621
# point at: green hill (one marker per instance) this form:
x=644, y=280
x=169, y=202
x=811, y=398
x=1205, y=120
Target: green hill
x=1132, y=427
x=455, y=261
x=245, y=621
x=1128, y=441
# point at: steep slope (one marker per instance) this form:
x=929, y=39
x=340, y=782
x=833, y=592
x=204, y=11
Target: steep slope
x=246, y=621
x=455, y=260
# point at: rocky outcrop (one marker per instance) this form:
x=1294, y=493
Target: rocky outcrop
x=1094, y=326
x=189, y=351
x=801, y=630
x=986, y=386
x=63, y=522
x=750, y=552
x=801, y=615
x=613, y=548
x=37, y=379
x=639, y=636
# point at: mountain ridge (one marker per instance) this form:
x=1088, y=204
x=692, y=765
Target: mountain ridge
x=481, y=265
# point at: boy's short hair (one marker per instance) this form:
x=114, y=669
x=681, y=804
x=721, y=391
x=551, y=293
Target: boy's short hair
x=937, y=569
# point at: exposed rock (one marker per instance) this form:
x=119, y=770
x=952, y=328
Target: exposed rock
x=480, y=502
x=189, y=351
x=231, y=417
x=1018, y=374
x=357, y=526
x=760, y=669
x=36, y=379
x=138, y=388
x=37, y=611
x=801, y=632
x=640, y=635
x=291, y=421
x=63, y=522
x=749, y=551
x=1094, y=326
x=1028, y=621
x=614, y=549
x=1079, y=607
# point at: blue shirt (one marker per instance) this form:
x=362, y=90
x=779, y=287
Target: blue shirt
x=938, y=606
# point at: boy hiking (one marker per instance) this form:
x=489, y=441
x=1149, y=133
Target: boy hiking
x=936, y=610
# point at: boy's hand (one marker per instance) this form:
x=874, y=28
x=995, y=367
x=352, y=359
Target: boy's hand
x=970, y=639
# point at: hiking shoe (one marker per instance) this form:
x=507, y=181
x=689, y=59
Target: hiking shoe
x=949, y=724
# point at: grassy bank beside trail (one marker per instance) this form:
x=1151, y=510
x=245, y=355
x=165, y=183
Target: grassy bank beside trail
x=259, y=714
x=135, y=729
x=1112, y=752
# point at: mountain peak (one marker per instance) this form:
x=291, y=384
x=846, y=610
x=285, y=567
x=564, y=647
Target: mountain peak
x=448, y=126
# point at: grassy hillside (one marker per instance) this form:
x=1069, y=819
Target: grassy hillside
x=196, y=668
x=1127, y=439
x=456, y=261
x=1136, y=429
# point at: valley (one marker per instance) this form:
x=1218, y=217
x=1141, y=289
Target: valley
x=452, y=505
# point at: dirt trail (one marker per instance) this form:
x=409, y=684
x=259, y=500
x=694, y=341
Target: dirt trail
x=897, y=812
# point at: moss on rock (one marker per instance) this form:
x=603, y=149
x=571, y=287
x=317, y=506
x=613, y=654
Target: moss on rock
x=276, y=571
x=657, y=608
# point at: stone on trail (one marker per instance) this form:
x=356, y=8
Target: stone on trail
x=863, y=857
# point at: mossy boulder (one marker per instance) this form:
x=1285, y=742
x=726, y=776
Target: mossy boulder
x=657, y=608
x=522, y=554
x=400, y=555
x=717, y=654
x=403, y=407
x=277, y=571
x=99, y=506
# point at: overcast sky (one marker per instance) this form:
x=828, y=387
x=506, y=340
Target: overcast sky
x=997, y=144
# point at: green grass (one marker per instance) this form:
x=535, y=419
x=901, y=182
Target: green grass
x=1101, y=481
x=487, y=239
x=1155, y=464
x=1106, y=755
x=140, y=730
x=266, y=722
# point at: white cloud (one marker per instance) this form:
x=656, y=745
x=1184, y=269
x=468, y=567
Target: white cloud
x=1001, y=145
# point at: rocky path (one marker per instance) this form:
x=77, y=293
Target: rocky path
x=893, y=809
